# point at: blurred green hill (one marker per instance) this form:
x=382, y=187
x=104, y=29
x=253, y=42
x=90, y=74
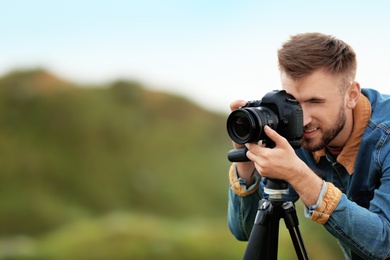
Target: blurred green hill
x=115, y=171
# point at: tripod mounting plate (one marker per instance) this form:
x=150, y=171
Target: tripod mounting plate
x=275, y=194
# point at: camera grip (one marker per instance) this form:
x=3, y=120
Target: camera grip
x=238, y=155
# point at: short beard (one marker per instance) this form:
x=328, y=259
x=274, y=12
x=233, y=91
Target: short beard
x=328, y=135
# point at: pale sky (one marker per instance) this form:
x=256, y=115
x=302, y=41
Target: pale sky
x=209, y=51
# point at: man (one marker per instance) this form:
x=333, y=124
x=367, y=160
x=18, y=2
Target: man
x=342, y=171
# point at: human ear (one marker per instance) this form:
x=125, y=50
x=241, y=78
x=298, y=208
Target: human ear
x=353, y=94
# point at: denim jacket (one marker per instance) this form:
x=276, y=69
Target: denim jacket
x=361, y=219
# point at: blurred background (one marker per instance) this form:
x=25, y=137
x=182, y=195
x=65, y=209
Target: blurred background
x=112, y=119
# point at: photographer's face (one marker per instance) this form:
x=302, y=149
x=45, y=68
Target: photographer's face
x=324, y=110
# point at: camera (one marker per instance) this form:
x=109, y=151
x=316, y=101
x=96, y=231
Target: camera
x=277, y=109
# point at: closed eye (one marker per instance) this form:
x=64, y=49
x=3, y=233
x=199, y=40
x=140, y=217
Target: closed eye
x=315, y=100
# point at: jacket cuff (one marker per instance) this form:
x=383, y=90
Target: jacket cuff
x=329, y=198
x=238, y=184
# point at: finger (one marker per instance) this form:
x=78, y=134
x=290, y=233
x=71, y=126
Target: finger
x=237, y=104
x=274, y=136
x=253, y=148
x=254, y=152
x=249, y=154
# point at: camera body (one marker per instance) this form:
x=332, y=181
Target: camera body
x=277, y=109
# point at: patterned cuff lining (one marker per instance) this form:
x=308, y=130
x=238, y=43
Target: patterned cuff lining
x=238, y=184
x=329, y=202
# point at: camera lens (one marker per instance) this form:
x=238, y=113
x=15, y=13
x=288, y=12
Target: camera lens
x=241, y=124
x=246, y=125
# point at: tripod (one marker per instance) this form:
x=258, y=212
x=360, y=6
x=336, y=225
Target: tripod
x=263, y=240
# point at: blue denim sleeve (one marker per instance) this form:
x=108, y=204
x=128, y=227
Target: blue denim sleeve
x=366, y=231
x=241, y=214
x=242, y=209
x=356, y=227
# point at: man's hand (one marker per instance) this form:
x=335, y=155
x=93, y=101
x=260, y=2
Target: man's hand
x=277, y=162
x=281, y=162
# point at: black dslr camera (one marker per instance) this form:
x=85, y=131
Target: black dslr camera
x=277, y=109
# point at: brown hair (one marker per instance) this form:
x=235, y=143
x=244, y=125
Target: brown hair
x=305, y=53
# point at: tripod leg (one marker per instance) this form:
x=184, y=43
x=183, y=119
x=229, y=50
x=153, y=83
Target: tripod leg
x=291, y=220
x=273, y=233
x=258, y=243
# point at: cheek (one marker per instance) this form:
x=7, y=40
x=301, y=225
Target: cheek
x=319, y=115
x=329, y=116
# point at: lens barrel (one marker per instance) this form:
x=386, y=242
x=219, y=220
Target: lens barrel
x=245, y=125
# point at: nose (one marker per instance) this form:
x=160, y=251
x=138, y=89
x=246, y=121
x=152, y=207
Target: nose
x=306, y=117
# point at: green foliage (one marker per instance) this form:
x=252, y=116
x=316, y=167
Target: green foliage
x=141, y=237
x=72, y=156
